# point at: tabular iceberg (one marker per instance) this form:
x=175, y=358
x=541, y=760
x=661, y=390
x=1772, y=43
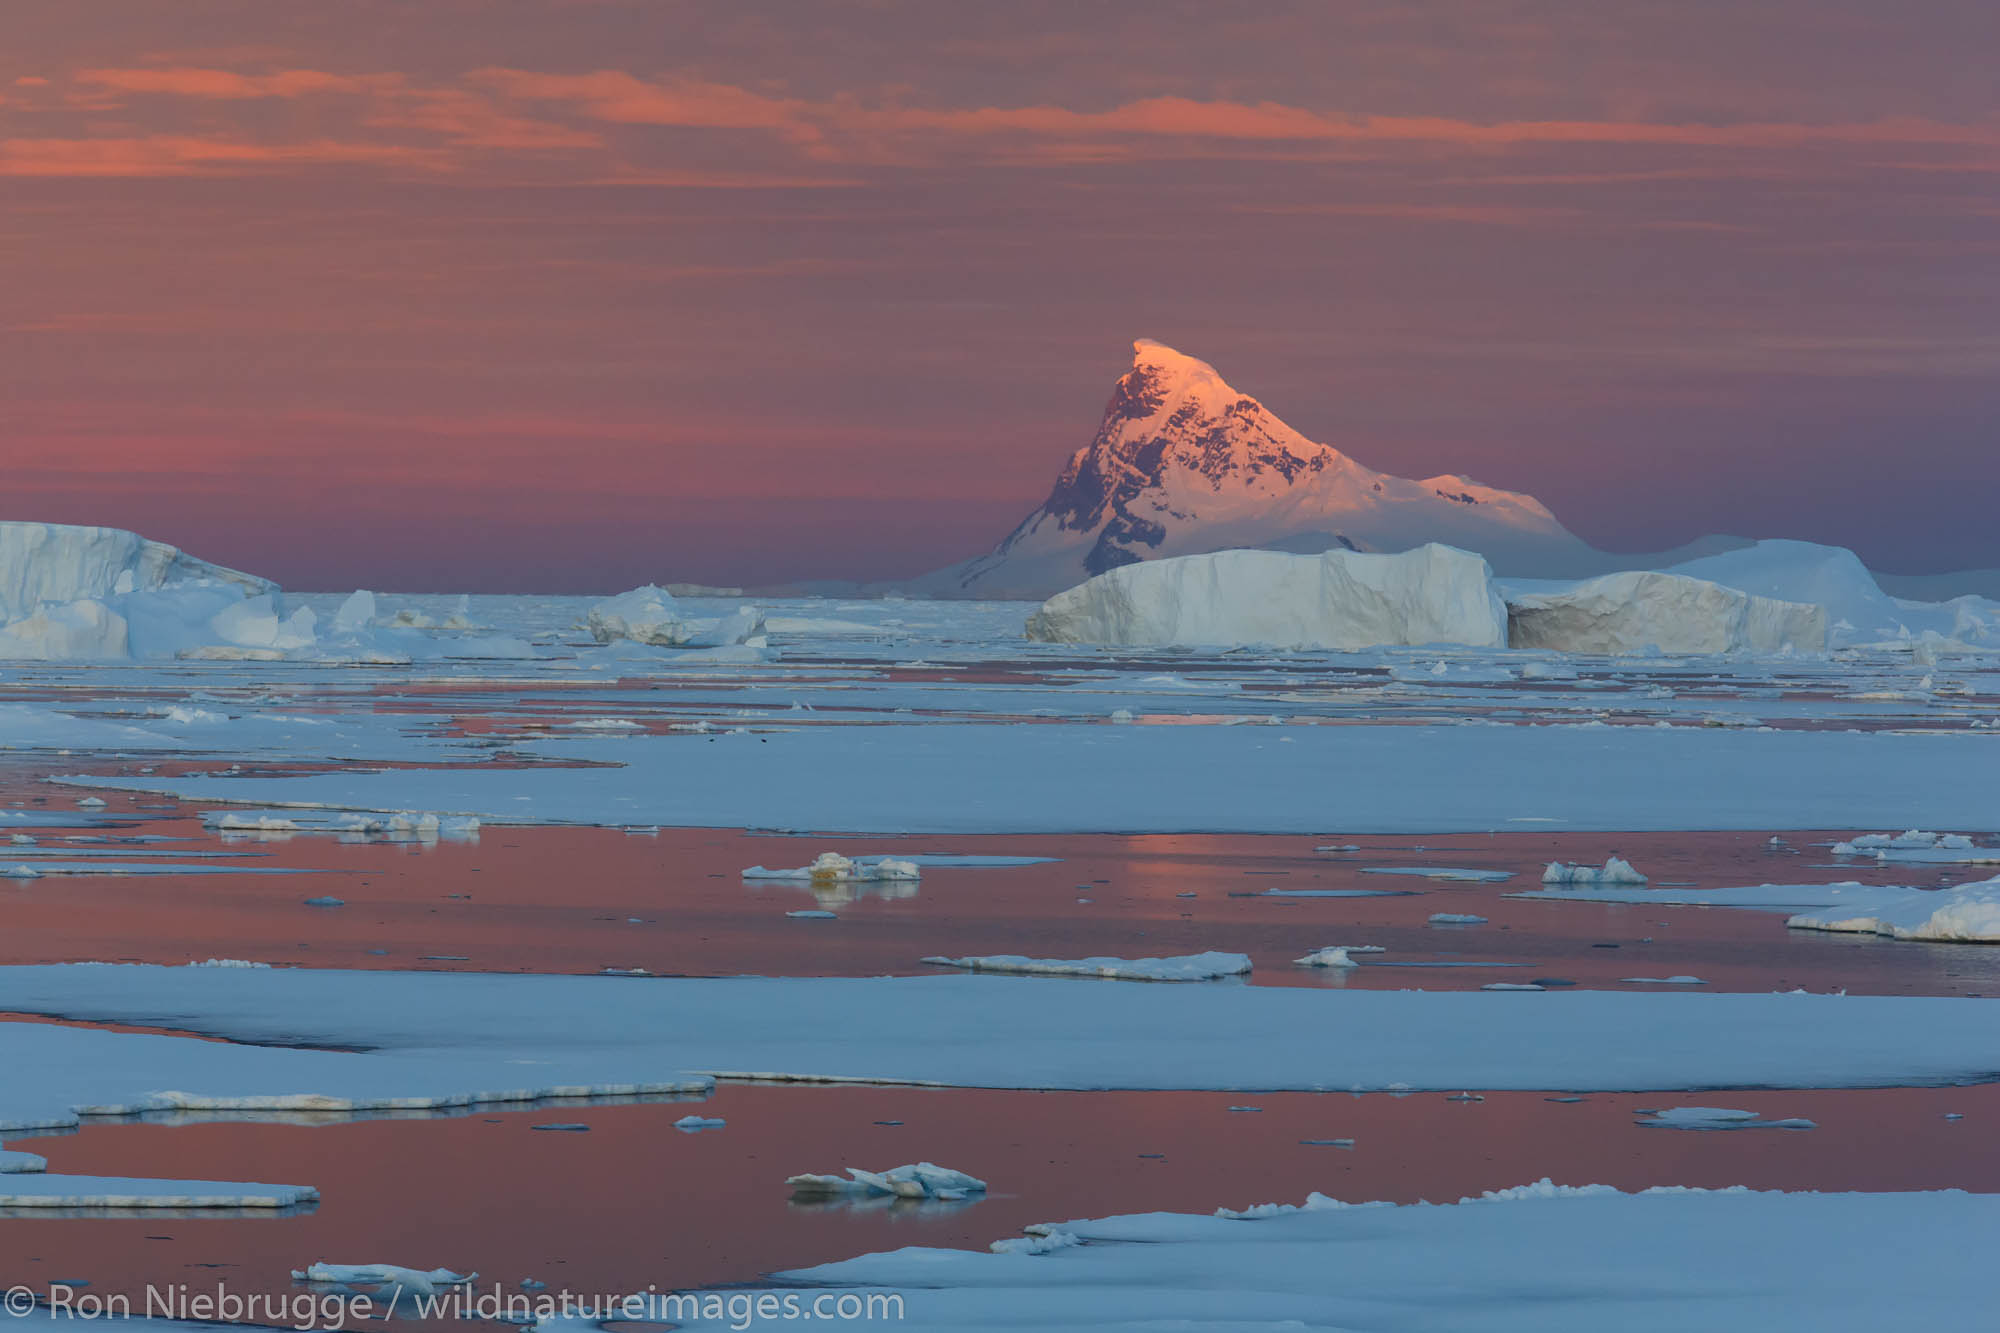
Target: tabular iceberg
x=1339, y=600
x=82, y=593
x=1639, y=610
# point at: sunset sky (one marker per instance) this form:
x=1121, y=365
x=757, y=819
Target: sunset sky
x=570, y=294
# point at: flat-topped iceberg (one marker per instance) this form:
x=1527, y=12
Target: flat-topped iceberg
x=105, y=594
x=1641, y=610
x=1340, y=600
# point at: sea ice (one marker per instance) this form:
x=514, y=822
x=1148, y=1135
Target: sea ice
x=1615, y=870
x=419, y=1040
x=41, y=1190
x=1920, y=846
x=1456, y=919
x=1209, y=966
x=1714, y=1117
x=919, y=1180
x=833, y=868
x=1543, y=1258
x=1964, y=912
x=406, y=1281
x=690, y=1124
x=1335, y=955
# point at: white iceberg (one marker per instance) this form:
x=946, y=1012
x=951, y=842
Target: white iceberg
x=82, y=593
x=389, y=1277
x=1640, y=610
x=919, y=1180
x=833, y=868
x=1340, y=600
x=1209, y=966
x=644, y=615
x=1615, y=870
x=1336, y=955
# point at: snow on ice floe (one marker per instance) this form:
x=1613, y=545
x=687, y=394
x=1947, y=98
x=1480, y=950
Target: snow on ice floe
x=400, y=826
x=919, y=1180
x=1920, y=846
x=386, y=1277
x=374, y=1041
x=1713, y=1118
x=1964, y=912
x=1342, y=600
x=1336, y=955
x=39, y=1190
x=694, y=1124
x=1615, y=870
x=1641, y=611
x=1542, y=1258
x=14, y=1162
x=1209, y=966
x=833, y=868
x=970, y=778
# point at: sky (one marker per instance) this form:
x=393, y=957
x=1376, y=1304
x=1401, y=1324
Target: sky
x=566, y=295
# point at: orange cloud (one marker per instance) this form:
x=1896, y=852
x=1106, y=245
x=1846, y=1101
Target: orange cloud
x=225, y=85
x=180, y=155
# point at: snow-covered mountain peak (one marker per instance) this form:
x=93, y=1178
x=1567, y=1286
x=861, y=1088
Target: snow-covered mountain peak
x=1184, y=463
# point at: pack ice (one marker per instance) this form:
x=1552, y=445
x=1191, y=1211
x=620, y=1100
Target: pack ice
x=1339, y=600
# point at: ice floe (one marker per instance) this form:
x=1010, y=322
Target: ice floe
x=1209, y=966
x=1442, y=873
x=386, y=1277
x=833, y=868
x=971, y=778
x=41, y=1190
x=1336, y=955
x=1918, y=845
x=1964, y=912
x=919, y=1180
x=1456, y=919
x=416, y=1040
x=691, y=1124
x=1713, y=1118
x=1543, y=1258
